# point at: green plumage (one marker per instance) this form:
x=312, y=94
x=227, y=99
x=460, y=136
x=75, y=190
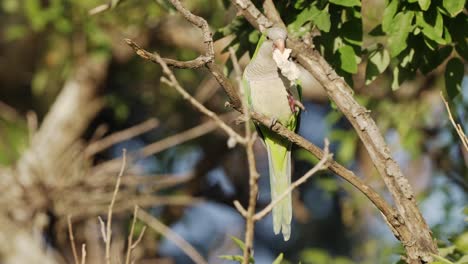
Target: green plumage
x=267, y=92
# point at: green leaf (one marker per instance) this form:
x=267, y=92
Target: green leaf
x=443, y=252
x=254, y=36
x=453, y=77
x=396, y=78
x=10, y=6
x=377, y=63
x=320, y=18
x=454, y=6
x=348, y=145
x=388, y=15
x=328, y=184
x=306, y=156
x=15, y=32
x=278, y=259
x=399, y=31
x=424, y=4
x=352, y=32
x=463, y=260
x=237, y=258
x=346, y=2
x=432, y=59
x=462, y=242
x=316, y=256
x=348, y=59
x=432, y=29
x=408, y=58
x=238, y=242
x=322, y=21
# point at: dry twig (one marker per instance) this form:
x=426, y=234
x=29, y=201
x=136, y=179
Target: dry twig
x=131, y=245
x=72, y=239
x=172, y=81
x=253, y=173
x=457, y=127
x=161, y=228
x=120, y=136
x=83, y=253
x=107, y=234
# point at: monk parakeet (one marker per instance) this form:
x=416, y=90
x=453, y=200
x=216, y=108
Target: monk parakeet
x=272, y=94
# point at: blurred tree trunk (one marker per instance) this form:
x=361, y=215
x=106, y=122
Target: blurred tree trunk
x=26, y=199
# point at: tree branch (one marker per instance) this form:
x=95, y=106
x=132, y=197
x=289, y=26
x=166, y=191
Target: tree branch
x=391, y=216
x=458, y=128
x=172, y=81
x=414, y=234
x=253, y=173
x=408, y=224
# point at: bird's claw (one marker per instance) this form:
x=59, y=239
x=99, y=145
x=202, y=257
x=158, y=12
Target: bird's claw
x=294, y=104
x=299, y=104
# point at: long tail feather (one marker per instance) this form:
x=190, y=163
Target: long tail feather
x=279, y=160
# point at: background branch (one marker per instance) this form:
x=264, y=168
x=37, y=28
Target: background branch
x=159, y=227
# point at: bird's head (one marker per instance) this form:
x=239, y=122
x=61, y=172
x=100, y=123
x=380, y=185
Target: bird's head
x=278, y=36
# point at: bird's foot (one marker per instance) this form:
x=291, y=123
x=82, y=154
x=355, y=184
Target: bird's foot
x=299, y=104
x=294, y=104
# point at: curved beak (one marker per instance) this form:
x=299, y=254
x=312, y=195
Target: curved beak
x=279, y=44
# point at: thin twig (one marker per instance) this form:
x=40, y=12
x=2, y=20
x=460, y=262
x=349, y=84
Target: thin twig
x=163, y=144
x=239, y=208
x=172, y=81
x=457, y=127
x=99, y=9
x=140, y=237
x=253, y=173
x=131, y=245
x=72, y=239
x=179, y=138
x=103, y=228
x=104, y=7
x=111, y=207
x=322, y=165
x=83, y=253
x=120, y=136
x=161, y=228
x=31, y=119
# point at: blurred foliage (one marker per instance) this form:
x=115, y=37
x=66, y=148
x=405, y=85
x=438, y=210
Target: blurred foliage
x=421, y=35
x=13, y=140
x=318, y=256
x=455, y=252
